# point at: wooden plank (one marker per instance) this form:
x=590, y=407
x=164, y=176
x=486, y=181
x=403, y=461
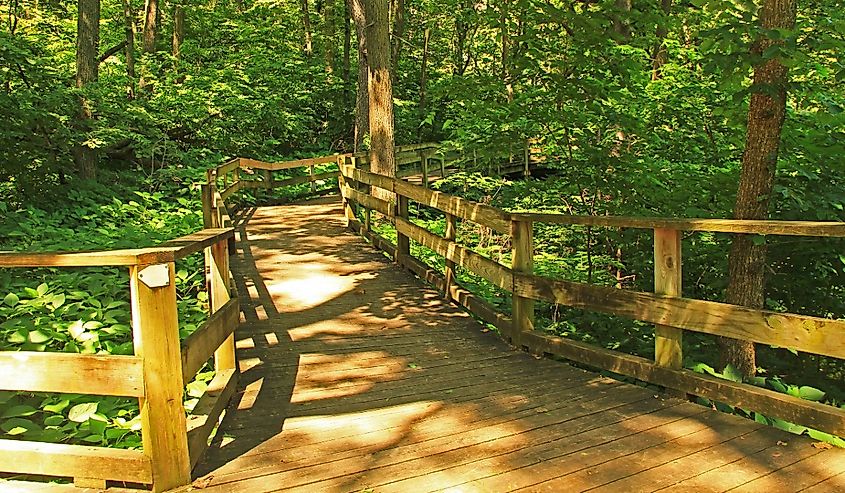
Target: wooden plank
x=101, y=258
x=522, y=310
x=368, y=201
x=228, y=166
x=200, y=345
x=750, y=226
x=417, y=146
x=53, y=459
x=156, y=336
x=803, y=333
x=494, y=272
x=770, y=403
x=297, y=180
x=485, y=215
x=206, y=413
x=298, y=163
x=451, y=234
x=71, y=373
x=196, y=242
x=219, y=295
x=403, y=242
x=668, y=341
x=230, y=190
x=368, y=178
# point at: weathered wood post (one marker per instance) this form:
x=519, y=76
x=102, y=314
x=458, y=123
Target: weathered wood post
x=156, y=337
x=451, y=235
x=345, y=171
x=424, y=167
x=522, y=311
x=443, y=166
x=267, y=176
x=403, y=243
x=207, y=195
x=311, y=178
x=217, y=257
x=668, y=347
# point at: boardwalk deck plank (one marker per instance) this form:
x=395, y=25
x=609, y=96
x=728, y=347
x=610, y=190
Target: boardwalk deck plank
x=354, y=376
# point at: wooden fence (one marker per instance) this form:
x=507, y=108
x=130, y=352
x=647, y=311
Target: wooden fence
x=671, y=313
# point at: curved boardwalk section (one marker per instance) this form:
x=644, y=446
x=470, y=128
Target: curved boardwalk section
x=357, y=378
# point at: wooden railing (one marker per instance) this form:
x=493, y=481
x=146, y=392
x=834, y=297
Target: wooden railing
x=156, y=374
x=666, y=308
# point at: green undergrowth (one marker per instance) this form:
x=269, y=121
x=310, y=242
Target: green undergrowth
x=86, y=310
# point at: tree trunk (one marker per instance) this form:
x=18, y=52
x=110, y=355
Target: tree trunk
x=129, y=33
x=398, y=32
x=382, y=158
x=178, y=31
x=766, y=114
x=362, y=102
x=328, y=34
x=151, y=26
x=87, y=66
x=503, y=25
x=620, y=22
x=661, y=55
x=424, y=70
x=306, y=20
x=461, y=33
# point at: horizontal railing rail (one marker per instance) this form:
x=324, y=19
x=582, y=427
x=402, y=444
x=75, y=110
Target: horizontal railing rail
x=665, y=308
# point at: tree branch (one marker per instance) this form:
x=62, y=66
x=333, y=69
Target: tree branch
x=111, y=51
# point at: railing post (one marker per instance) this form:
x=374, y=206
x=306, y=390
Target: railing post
x=311, y=178
x=403, y=243
x=668, y=347
x=443, y=166
x=424, y=167
x=522, y=311
x=207, y=194
x=451, y=235
x=156, y=337
x=268, y=182
x=218, y=283
x=348, y=212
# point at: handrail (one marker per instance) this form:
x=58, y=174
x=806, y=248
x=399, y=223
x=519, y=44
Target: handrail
x=671, y=314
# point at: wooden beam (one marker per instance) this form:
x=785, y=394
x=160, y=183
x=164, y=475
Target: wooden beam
x=53, y=459
x=298, y=163
x=451, y=235
x=199, y=347
x=815, y=415
x=206, y=413
x=485, y=215
x=668, y=341
x=368, y=201
x=230, y=190
x=73, y=373
x=522, y=310
x=809, y=334
x=156, y=336
x=494, y=272
x=403, y=242
x=196, y=242
x=219, y=297
x=749, y=226
x=228, y=166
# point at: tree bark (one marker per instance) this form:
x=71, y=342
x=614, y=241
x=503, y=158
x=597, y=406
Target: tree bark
x=503, y=25
x=347, y=48
x=129, y=34
x=328, y=34
x=87, y=68
x=362, y=102
x=398, y=32
x=424, y=69
x=661, y=55
x=151, y=26
x=178, y=31
x=306, y=20
x=766, y=114
x=382, y=158
x=620, y=24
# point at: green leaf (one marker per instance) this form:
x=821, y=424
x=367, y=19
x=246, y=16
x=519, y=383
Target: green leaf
x=82, y=412
x=11, y=299
x=39, y=336
x=42, y=289
x=811, y=393
x=18, y=411
x=57, y=407
x=732, y=374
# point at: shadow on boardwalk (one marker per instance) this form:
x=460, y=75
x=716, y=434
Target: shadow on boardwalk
x=354, y=377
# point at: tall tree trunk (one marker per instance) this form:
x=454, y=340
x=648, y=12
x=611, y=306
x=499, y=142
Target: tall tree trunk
x=620, y=22
x=766, y=114
x=461, y=33
x=151, y=26
x=306, y=21
x=347, y=90
x=178, y=30
x=362, y=102
x=328, y=34
x=129, y=33
x=661, y=55
x=382, y=158
x=398, y=32
x=424, y=70
x=503, y=25
x=87, y=63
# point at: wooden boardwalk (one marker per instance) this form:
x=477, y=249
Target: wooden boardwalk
x=356, y=378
